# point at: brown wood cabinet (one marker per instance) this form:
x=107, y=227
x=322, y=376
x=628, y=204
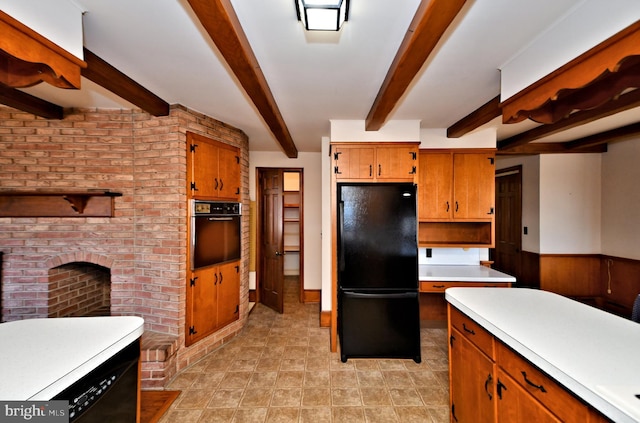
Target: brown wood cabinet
x=213, y=300
x=213, y=169
x=489, y=382
x=456, y=197
x=375, y=162
x=433, y=306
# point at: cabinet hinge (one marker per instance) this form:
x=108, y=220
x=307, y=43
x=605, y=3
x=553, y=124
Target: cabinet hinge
x=238, y=191
x=413, y=170
x=336, y=171
x=192, y=148
x=237, y=269
x=491, y=211
x=192, y=330
x=237, y=309
x=336, y=154
x=414, y=156
x=192, y=281
x=193, y=186
x=237, y=159
x=491, y=160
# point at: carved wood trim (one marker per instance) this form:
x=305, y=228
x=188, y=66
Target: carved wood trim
x=27, y=58
x=588, y=81
x=427, y=27
x=57, y=204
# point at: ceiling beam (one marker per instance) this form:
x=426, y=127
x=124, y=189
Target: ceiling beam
x=618, y=134
x=624, y=102
x=484, y=114
x=20, y=100
x=551, y=148
x=221, y=23
x=105, y=75
x=429, y=24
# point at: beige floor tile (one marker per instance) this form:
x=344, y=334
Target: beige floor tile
x=345, y=397
x=321, y=378
x=344, y=379
x=434, y=395
x=286, y=397
x=380, y=415
x=315, y=415
x=313, y=397
x=370, y=378
x=218, y=415
x=413, y=414
x=283, y=415
x=194, y=398
x=294, y=363
x=347, y=415
x=397, y=378
x=405, y=397
x=262, y=380
x=182, y=416
x=287, y=379
x=225, y=398
x=375, y=396
x=256, y=397
x=208, y=380
x=250, y=415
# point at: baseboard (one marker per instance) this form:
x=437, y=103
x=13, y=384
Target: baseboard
x=325, y=319
x=252, y=295
x=311, y=295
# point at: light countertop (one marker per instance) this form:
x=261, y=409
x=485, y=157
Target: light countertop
x=461, y=273
x=594, y=354
x=40, y=358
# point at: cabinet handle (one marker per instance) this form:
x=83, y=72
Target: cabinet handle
x=453, y=412
x=486, y=385
x=451, y=339
x=456, y=206
x=447, y=206
x=370, y=170
x=437, y=286
x=540, y=387
x=500, y=387
x=466, y=329
x=215, y=282
x=220, y=278
x=379, y=169
x=216, y=179
x=221, y=184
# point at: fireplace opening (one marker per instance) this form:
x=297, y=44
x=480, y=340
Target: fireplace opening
x=79, y=289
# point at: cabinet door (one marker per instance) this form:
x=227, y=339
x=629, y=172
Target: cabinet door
x=354, y=162
x=204, y=168
x=472, y=387
x=228, y=293
x=435, y=179
x=228, y=173
x=396, y=163
x=474, y=185
x=201, y=304
x=516, y=405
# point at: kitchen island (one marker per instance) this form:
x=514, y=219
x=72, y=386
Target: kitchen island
x=435, y=279
x=531, y=336
x=41, y=358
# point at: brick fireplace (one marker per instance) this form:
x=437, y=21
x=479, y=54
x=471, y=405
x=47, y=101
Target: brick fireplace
x=133, y=263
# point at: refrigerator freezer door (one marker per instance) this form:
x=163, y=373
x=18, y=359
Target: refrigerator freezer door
x=377, y=245
x=379, y=325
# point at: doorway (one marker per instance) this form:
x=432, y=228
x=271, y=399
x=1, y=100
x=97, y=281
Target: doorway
x=279, y=234
x=507, y=255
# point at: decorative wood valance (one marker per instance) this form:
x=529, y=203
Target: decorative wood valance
x=27, y=58
x=57, y=204
x=590, y=80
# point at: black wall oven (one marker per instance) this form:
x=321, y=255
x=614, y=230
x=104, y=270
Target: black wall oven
x=215, y=232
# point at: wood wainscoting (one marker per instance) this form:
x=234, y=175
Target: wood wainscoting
x=606, y=282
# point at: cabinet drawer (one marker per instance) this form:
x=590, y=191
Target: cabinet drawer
x=428, y=286
x=554, y=397
x=472, y=331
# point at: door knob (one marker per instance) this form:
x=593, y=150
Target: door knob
x=278, y=253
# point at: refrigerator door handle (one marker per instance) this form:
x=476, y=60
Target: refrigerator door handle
x=408, y=294
x=341, y=237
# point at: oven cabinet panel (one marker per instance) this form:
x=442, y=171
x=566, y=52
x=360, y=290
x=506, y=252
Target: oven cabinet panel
x=213, y=169
x=213, y=298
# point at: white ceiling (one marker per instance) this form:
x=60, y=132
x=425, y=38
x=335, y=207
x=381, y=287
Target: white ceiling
x=314, y=77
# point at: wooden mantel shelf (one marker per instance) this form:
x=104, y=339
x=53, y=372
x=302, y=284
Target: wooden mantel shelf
x=57, y=204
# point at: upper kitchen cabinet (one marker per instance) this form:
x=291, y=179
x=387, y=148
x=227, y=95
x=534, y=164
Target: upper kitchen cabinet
x=375, y=162
x=456, y=198
x=213, y=169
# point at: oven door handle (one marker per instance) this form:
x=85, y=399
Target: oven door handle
x=219, y=219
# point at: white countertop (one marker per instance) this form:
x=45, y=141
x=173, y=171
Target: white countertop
x=39, y=358
x=461, y=273
x=594, y=354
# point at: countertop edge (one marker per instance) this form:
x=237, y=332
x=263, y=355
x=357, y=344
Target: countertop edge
x=589, y=396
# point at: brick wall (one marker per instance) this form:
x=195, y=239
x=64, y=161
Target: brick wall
x=79, y=289
x=143, y=245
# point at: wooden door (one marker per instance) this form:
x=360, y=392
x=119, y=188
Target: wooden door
x=472, y=382
x=271, y=270
x=229, y=173
x=396, y=163
x=473, y=191
x=228, y=293
x=507, y=253
x=204, y=166
x=435, y=186
x=516, y=405
x=354, y=162
x=202, y=291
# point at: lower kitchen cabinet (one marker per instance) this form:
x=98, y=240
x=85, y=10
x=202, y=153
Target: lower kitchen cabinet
x=489, y=382
x=213, y=299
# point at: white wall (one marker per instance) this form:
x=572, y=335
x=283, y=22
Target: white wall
x=587, y=25
x=530, y=197
x=621, y=200
x=312, y=206
x=570, y=205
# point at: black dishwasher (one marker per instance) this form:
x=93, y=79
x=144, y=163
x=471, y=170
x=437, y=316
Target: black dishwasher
x=108, y=393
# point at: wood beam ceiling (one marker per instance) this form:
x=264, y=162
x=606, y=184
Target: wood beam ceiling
x=221, y=23
x=429, y=24
x=105, y=75
x=17, y=99
x=484, y=114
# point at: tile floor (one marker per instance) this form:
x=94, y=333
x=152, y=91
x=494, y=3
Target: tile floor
x=280, y=369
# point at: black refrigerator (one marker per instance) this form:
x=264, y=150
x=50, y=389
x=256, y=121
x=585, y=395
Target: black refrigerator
x=378, y=305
